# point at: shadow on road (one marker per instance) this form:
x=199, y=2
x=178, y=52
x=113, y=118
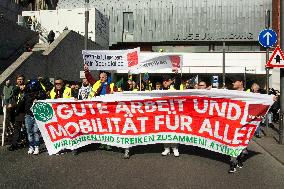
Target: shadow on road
x=158, y=148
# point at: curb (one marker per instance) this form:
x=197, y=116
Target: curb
x=271, y=154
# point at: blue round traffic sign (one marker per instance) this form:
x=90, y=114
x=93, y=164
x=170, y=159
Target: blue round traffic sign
x=267, y=38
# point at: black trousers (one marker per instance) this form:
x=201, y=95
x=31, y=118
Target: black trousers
x=19, y=121
x=235, y=160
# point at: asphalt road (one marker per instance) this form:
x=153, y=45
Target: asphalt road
x=93, y=168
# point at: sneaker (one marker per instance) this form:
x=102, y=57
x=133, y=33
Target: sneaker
x=31, y=150
x=166, y=152
x=36, y=151
x=75, y=152
x=176, y=152
x=108, y=148
x=232, y=169
x=257, y=135
x=102, y=147
x=126, y=155
x=240, y=164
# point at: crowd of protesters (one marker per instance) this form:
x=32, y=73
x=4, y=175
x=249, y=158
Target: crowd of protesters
x=23, y=130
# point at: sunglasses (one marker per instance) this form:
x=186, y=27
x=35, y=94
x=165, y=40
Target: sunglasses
x=58, y=83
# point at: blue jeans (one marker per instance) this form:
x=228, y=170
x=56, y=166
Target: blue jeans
x=258, y=131
x=32, y=130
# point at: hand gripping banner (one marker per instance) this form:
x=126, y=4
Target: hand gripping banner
x=222, y=121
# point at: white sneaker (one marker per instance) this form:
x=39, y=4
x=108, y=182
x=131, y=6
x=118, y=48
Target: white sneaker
x=176, y=153
x=36, y=151
x=166, y=152
x=31, y=150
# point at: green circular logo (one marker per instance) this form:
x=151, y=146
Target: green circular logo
x=42, y=111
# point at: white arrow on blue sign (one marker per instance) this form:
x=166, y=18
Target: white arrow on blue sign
x=267, y=38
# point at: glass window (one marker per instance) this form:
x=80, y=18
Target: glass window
x=128, y=22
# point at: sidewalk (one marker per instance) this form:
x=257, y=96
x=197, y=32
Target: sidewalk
x=269, y=142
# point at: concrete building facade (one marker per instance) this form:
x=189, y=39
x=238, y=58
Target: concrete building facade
x=197, y=29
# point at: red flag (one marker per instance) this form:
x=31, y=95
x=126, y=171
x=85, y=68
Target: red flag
x=132, y=59
x=175, y=62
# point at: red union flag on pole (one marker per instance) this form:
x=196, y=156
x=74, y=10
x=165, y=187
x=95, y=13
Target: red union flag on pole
x=132, y=58
x=218, y=120
x=160, y=61
x=176, y=62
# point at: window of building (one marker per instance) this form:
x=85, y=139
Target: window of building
x=128, y=22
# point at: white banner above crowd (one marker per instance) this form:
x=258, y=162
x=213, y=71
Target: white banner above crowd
x=111, y=59
x=129, y=60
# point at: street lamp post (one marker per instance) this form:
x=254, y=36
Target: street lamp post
x=224, y=65
x=281, y=126
x=86, y=24
x=267, y=26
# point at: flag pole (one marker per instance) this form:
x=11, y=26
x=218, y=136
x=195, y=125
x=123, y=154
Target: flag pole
x=181, y=66
x=4, y=124
x=140, y=82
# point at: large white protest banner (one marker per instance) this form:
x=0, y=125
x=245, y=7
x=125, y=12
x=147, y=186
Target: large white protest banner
x=159, y=62
x=218, y=120
x=111, y=59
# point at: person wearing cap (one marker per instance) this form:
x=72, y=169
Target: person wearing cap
x=171, y=84
x=33, y=92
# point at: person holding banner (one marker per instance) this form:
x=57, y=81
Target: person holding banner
x=255, y=88
x=147, y=83
x=169, y=85
x=61, y=91
x=101, y=87
x=238, y=84
x=33, y=92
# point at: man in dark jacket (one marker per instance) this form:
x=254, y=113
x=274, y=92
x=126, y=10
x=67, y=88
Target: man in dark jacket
x=33, y=92
x=51, y=36
x=19, y=112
